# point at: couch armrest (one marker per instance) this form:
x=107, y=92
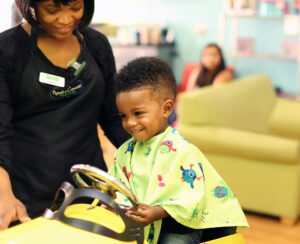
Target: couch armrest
x=285, y=118
x=227, y=141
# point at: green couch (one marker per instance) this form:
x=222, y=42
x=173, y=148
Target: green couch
x=252, y=139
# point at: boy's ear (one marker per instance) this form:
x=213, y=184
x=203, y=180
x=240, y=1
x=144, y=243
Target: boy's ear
x=167, y=107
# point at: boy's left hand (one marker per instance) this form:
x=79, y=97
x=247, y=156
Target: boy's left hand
x=147, y=214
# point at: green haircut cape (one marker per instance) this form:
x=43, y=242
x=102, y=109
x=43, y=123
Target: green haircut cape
x=170, y=172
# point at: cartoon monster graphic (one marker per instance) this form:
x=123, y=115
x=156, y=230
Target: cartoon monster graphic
x=199, y=213
x=196, y=210
x=223, y=192
x=174, y=131
x=189, y=175
x=130, y=146
x=166, y=147
x=147, y=151
x=200, y=165
x=203, y=215
x=127, y=174
x=151, y=233
x=195, y=213
x=160, y=179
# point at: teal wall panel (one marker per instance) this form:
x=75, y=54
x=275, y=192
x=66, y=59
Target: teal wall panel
x=183, y=15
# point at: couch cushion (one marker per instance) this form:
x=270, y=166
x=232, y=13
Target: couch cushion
x=245, y=144
x=244, y=103
x=285, y=118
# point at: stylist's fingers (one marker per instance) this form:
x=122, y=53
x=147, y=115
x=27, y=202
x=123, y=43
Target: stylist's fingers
x=4, y=221
x=12, y=212
x=7, y=215
x=22, y=213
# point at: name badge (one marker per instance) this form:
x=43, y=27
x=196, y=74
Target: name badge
x=52, y=79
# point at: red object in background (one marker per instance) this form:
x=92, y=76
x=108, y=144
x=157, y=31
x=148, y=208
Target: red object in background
x=246, y=45
x=290, y=48
x=296, y=3
x=287, y=95
x=187, y=70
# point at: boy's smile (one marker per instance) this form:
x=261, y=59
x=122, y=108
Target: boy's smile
x=143, y=116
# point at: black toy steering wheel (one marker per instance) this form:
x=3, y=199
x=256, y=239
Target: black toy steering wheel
x=101, y=181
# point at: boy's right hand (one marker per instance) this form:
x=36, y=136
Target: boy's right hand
x=147, y=214
x=11, y=209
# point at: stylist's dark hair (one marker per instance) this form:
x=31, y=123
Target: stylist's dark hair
x=24, y=7
x=202, y=80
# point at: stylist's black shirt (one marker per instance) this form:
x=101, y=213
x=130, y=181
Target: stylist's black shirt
x=45, y=129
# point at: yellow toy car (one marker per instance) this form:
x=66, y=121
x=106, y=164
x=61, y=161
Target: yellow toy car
x=71, y=222
x=68, y=221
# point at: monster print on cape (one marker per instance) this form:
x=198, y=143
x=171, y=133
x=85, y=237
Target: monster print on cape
x=175, y=174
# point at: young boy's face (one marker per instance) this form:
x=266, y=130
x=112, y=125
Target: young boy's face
x=142, y=116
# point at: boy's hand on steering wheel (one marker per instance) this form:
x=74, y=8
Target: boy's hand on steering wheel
x=146, y=214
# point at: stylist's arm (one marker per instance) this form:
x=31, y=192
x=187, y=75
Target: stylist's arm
x=11, y=209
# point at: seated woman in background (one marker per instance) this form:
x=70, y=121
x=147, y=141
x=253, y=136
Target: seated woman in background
x=212, y=69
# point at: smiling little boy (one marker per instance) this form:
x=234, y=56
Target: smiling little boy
x=180, y=193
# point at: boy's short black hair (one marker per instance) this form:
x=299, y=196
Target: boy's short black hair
x=25, y=5
x=144, y=72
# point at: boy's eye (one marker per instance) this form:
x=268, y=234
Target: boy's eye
x=123, y=116
x=137, y=113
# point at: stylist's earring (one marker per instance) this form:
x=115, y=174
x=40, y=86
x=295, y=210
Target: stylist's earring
x=32, y=12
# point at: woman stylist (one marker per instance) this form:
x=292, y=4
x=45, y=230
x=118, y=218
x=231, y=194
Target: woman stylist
x=56, y=85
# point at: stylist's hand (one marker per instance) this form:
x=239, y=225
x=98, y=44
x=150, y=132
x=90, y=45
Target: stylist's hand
x=147, y=214
x=11, y=209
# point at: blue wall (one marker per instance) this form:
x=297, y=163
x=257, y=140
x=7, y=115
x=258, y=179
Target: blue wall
x=182, y=17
